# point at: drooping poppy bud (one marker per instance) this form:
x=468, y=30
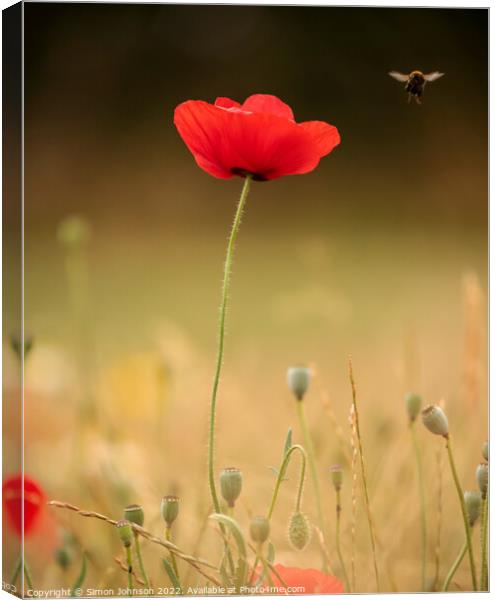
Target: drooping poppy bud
x=135, y=514
x=298, y=379
x=434, y=420
x=299, y=531
x=231, y=485
x=170, y=509
x=259, y=529
x=413, y=405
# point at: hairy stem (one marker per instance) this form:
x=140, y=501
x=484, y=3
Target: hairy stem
x=465, y=519
x=140, y=560
x=280, y=477
x=454, y=567
x=221, y=335
x=422, y=500
x=484, y=541
x=314, y=472
x=129, y=568
x=338, y=510
x=168, y=537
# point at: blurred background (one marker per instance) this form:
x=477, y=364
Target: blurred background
x=381, y=253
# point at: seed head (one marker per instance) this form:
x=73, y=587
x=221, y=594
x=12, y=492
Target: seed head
x=170, y=509
x=135, y=514
x=259, y=529
x=482, y=478
x=413, y=405
x=337, y=475
x=298, y=379
x=485, y=450
x=434, y=420
x=473, y=506
x=125, y=532
x=231, y=485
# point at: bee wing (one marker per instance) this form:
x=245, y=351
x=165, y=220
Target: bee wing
x=398, y=76
x=433, y=76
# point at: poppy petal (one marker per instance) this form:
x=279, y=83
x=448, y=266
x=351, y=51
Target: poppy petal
x=12, y=496
x=268, y=105
x=201, y=127
x=223, y=102
x=325, y=136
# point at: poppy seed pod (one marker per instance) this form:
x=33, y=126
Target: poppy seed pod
x=413, y=405
x=125, y=532
x=135, y=514
x=337, y=475
x=298, y=379
x=170, y=509
x=473, y=506
x=482, y=478
x=259, y=529
x=299, y=531
x=231, y=485
x=484, y=450
x=434, y=420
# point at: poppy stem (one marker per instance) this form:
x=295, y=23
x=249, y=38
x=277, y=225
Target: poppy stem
x=454, y=568
x=421, y=485
x=281, y=474
x=314, y=473
x=129, y=569
x=168, y=537
x=16, y=571
x=27, y=576
x=363, y=474
x=465, y=518
x=483, y=540
x=221, y=335
x=338, y=510
x=140, y=560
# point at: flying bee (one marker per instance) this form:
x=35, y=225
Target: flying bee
x=415, y=82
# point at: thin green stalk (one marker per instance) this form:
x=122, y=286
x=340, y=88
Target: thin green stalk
x=280, y=478
x=168, y=536
x=464, y=512
x=363, y=476
x=16, y=571
x=337, y=540
x=484, y=541
x=421, y=485
x=454, y=567
x=314, y=472
x=221, y=335
x=129, y=568
x=281, y=474
x=27, y=576
x=140, y=560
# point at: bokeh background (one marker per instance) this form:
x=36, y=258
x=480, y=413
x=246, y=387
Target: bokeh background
x=381, y=253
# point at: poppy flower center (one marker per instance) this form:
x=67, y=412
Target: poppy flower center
x=244, y=173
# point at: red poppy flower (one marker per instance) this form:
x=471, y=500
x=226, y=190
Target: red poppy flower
x=34, y=501
x=259, y=137
x=294, y=580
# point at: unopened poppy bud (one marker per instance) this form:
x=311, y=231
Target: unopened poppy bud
x=299, y=531
x=298, y=379
x=63, y=557
x=434, y=420
x=231, y=485
x=482, y=478
x=135, y=514
x=413, y=405
x=170, y=509
x=259, y=529
x=337, y=476
x=125, y=532
x=484, y=450
x=473, y=506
